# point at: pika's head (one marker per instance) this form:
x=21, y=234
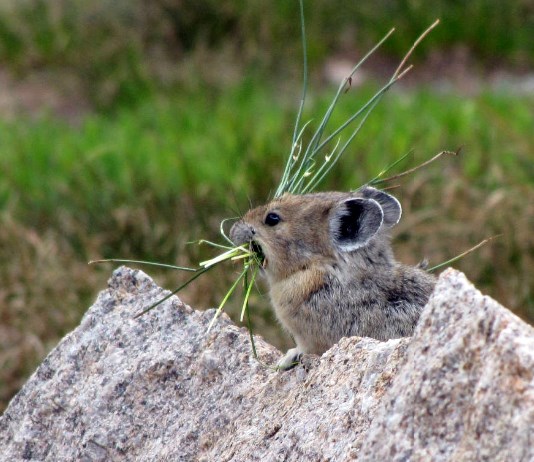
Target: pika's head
x=295, y=231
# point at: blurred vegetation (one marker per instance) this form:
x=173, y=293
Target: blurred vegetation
x=194, y=108
x=120, y=50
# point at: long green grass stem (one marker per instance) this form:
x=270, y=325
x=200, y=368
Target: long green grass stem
x=399, y=69
x=327, y=165
x=304, y=162
x=226, y=297
x=223, y=233
x=247, y=286
x=199, y=273
x=304, y=72
x=297, y=132
x=463, y=254
x=314, y=142
x=141, y=262
x=251, y=334
x=377, y=180
x=299, y=174
x=214, y=244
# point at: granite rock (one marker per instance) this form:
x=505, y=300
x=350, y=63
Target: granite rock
x=160, y=388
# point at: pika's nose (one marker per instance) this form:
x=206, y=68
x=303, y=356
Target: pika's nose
x=241, y=233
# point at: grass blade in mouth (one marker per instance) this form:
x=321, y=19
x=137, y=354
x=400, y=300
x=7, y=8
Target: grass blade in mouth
x=257, y=253
x=231, y=254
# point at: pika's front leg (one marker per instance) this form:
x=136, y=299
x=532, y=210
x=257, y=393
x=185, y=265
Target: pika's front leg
x=290, y=359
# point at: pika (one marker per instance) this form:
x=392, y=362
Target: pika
x=330, y=268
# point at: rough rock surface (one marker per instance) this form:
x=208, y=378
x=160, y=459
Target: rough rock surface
x=158, y=388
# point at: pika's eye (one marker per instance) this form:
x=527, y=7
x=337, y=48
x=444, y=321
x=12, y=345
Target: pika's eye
x=272, y=219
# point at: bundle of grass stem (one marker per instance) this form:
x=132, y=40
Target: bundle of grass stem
x=306, y=167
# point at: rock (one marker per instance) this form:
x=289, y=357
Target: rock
x=466, y=391
x=159, y=388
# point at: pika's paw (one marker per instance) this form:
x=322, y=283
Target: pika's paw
x=289, y=360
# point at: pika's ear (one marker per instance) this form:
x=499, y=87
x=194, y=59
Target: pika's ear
x=390, y=206
x=354, y=222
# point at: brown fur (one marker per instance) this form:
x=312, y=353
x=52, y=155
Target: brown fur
x=331, y=270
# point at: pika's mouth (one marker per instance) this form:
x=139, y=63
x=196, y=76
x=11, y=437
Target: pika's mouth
x=258, y=253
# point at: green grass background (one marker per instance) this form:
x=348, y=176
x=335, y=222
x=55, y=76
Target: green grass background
x=191, y=123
